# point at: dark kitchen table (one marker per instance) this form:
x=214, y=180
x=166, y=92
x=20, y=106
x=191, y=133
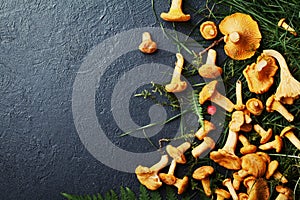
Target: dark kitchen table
x=46, y=49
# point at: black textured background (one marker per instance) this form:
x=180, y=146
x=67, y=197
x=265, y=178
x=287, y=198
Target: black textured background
x=42, y=45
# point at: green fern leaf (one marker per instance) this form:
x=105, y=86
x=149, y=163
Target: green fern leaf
x=197, y=108
x=155, y=195
x=144, y=195
x=99, y=197
x=130, y=194
x=107, y=196
x=170, y=193
x=123, y=194
x=114, y=196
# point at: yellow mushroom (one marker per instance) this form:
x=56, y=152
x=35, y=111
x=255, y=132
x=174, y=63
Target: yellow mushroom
x=287, y=27
x=289, y=88
x=210, y=69
x=239, y=99
x=208, y=30
x=147, y=45
x=276, y=144
x=202, y=174
x=177, y=85
x=207, y=144
x=222, y=194
x=289, y=134
x=285, y=193
x=175, y=13
x=254, y=106
x=242, y=36
x=273, y=105
x=265, y=135
x=227, y=183
x=247, y=147
x=203, y=131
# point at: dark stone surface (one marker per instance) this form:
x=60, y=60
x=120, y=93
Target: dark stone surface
x=42, y=45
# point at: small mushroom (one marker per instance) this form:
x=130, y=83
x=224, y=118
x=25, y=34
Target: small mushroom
x=149, y=176
x=222, y=194
x=209, y=92
x=289, y=134
x=285, y=193
x=207, y=144
x=237, y=120
x=203, y=131
x=210, y=69
x=289, y=88
x=181, y=184
x=169, y=178
x=272, y=167
x=246, y=128
x=273, y=105
x=257, y=188
x=243, y=196
x=259, y=75
x=255, y=106
x=280, y=177
x=226, y=156
x=208, y=30
x=242, y=36
x=254, y=165
x=237, y=179
x=227, y=183
x=247, y=116
x=239, y=99
x=175, y=13
x=275, y=144
x=247, y=147
x=178, y=153
x=202, y=174
x=176, y=84
x=287, y=27
x=147, y=45
x=265, y=135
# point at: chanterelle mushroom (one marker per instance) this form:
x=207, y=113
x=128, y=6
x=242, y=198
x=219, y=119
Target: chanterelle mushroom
x=255, y=106
x=210, y=69
x=287, y=27
x=265, y=135
x=247, y=147
x=276, y=144
x=176, y=84
x=259, y=75
x=242, y=36
x=222, y=194
x=149, y=176
x=203, y=131
x=285, y=193
x=257, y=188
x=207, y=144
x=239, y=99
x=175, y=13
x=228, y=184
x=289, y=134
x=254, y=165
x=178, y=153
x=226, y=156
x=208, y=30
x=147, y=45
x=273, y=105
x=169, y=178
x=237, y=120
x=202, y=174
x=209, y=92
x=289, y=88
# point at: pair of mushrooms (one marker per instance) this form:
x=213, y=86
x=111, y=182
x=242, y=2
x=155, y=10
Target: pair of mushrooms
x=152, y=179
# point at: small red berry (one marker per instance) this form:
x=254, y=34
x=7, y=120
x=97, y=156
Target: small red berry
x=211, y=110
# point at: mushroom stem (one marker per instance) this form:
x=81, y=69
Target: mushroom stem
x=181, y=184
x=265, y=135
x=161, y=164
x=206, y=186
x=207, y=144
x=239, y=99
x=147, y=45
x=172, y=167
x=176, y=84
x=231, y=142
x=260, y=65
x=234, y=37
x=293, y=139
x=228, y=184
x=175, y=13
x=176, y=4
x=279, y=176
x=237, y=179
x=146, y=36
x=287, y=27
x=222, y=101
x=184, y=147
x=211, y=57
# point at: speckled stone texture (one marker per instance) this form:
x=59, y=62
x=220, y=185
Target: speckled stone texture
x=42, y=45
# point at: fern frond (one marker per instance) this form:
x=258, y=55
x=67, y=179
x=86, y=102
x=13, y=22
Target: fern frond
x=144, y=195
x=170, y=193
x=196, y=107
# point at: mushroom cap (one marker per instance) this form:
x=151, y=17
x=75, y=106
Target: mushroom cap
x=168, y=179
x=176, y=154
x=272, y=167
x=148, y=177
x=202, y=172
x=248, y=31
x=223, y=193
x=285, y=191
x=182, y=184
x=175, y=15
x=257, y=188
x=248, y=149
x=208, y=30
x=264, y=156
x=255, y=106
x=226, y=159
x=269, y=103
x=254, y=164
x=237, y=120
x=210, y=71
x=207, y=91
x=243, y=196
x=260, y=78
x=286, y=130
x=203, y=131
